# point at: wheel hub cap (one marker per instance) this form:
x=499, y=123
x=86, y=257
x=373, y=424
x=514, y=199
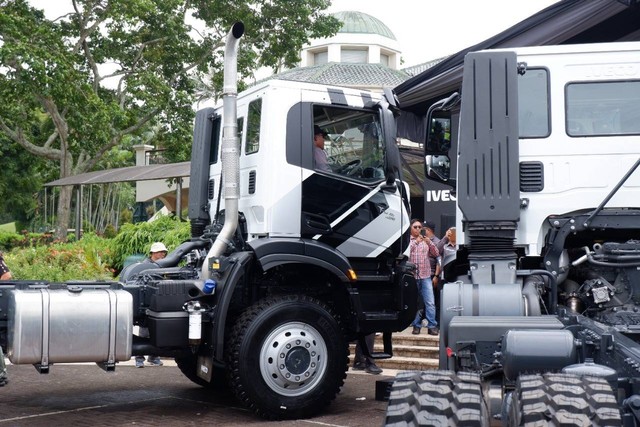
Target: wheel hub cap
x=293, y=359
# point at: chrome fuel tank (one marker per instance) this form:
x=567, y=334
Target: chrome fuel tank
x=69, y=325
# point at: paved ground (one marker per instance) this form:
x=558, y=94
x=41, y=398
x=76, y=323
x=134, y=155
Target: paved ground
x=79, y=395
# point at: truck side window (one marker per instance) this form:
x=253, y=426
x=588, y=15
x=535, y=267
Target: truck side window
x=215, y=140
x=603, y=108
x=240, y=124
x=354, y=142
x=533, y=104
x=253, y=127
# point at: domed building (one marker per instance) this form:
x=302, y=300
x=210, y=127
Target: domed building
x=363, y=39
x=363, y=54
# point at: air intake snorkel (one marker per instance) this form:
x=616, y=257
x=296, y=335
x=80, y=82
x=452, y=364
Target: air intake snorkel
x=230, y=143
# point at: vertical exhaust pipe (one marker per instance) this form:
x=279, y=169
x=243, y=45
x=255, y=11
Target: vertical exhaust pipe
x=230, y=152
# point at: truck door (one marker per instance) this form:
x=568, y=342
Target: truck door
x=350, y=205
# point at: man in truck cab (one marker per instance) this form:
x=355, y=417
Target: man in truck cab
x=319, y=155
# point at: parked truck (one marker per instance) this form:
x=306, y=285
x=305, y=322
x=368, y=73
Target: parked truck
x=287, y=263
x=540, y=319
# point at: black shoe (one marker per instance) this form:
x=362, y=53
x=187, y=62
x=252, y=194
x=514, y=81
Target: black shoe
x=359, y=366
x=433, y=331
x=416, y=330
x=372, y=369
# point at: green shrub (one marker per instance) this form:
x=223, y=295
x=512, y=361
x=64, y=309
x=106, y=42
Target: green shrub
x=110, y=231
x=61, y=262
x=9, y=240
x=37, y=257
x=137, y=238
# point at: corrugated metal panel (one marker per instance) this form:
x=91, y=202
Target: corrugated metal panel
x=131, y=173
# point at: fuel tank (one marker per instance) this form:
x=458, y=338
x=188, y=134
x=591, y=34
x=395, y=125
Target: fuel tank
x=69, y=325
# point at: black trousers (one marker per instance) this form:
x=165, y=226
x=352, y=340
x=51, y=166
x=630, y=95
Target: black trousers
x=369, y=341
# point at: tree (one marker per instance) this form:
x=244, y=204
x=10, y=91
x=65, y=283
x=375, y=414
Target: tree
x=20, y=181
x=115, y=68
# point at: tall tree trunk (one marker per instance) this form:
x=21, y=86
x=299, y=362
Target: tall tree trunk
x=64, y=211
x=64, y=200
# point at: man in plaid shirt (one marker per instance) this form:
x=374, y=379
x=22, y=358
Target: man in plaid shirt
x=420, y=249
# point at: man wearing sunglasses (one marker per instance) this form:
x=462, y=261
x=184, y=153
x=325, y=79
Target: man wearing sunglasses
x=420, y=249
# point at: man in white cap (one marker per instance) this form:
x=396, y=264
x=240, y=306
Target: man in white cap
x=157, y=252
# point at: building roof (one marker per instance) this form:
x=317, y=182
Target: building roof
x=361, y=23
x=128, y=174
x=414, y=70
x=345, y=74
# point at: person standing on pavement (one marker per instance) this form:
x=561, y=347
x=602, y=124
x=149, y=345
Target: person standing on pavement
x=420, y=248
x=157, y=252
x=447, y=247
x=365, y=363
x=428, y=231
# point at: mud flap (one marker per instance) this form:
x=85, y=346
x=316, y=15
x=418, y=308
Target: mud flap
x=205, y=367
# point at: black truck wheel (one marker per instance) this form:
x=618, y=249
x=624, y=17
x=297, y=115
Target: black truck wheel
x=288, y=357
x=188, y=365
x=562, y=399
x=436, y=398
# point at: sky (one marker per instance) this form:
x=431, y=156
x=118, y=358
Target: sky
x=425, y=29
x=431, y=29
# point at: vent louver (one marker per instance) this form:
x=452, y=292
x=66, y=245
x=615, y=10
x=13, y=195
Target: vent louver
x=252, y=182
x=212, y=189
x=531, y=177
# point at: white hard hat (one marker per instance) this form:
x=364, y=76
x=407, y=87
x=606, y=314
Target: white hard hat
x=158, y=247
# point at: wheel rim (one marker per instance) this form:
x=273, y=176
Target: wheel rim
x=293, y=359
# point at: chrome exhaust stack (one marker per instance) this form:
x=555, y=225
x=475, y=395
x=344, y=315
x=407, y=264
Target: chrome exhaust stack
x=230, y=152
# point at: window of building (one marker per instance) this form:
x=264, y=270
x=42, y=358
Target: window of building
x=603, y=108
x=354, y=55
x=384, y=59
x=320, y=58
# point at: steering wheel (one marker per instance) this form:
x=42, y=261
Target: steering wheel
x=349, y=168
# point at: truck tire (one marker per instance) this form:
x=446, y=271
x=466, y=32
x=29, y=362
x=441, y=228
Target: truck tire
x=436, y=398
x=288, y=357
x=563, y=399
x=188, y=365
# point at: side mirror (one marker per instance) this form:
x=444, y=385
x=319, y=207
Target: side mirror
x=438, y=167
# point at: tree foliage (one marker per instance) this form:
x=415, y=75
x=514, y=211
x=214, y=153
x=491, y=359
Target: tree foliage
x=20, y=181
x=112, y=69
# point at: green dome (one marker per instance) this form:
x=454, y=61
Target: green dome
x=361, y=23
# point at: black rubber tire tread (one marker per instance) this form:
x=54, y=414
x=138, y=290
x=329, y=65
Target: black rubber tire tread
x=245, y=340
x=187, y=365
x=555, y=399
x=436, y=398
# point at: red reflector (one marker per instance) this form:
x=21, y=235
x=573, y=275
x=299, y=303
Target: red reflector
x=449, y=352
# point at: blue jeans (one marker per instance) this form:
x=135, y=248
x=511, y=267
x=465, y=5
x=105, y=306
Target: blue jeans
x=425, y=289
